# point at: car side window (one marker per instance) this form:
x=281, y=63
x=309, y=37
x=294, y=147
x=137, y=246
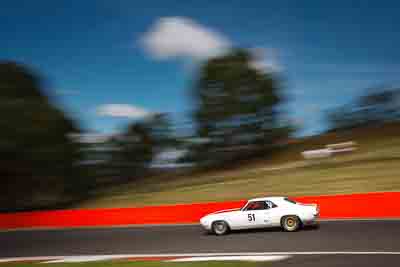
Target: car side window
x=257, y=205
x=270, y=204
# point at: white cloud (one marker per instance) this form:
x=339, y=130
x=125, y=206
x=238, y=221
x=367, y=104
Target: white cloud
x=266, y=65
x=122, y=110
x=265, y=60
x=181, y=37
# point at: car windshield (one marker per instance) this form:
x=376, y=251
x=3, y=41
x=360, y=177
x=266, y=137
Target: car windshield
x=245, y=206
x=257, y=205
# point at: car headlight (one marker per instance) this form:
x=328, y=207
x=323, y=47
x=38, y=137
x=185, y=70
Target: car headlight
x=204, y=221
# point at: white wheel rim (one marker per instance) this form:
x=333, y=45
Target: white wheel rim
x=291, y=223
x=220, y=228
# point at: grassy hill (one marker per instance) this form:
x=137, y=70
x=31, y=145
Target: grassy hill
x=375, y=166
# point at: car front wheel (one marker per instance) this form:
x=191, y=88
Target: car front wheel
x=291, y=223
x=220, y=228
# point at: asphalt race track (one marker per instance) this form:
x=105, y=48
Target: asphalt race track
x=338, y=236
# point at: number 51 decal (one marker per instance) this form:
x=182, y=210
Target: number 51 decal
x=251, y=217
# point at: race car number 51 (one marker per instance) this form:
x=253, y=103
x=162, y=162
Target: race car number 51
x=251, y=217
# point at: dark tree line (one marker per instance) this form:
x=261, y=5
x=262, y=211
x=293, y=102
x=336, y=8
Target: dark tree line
x=235, y=116
x=378, y=105
x=236, y=111
x=38, y=162
x=45, y=164
x=139, y=144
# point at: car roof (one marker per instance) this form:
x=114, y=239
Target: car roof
x=268, y=198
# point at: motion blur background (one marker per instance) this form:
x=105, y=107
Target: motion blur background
x=121, y=103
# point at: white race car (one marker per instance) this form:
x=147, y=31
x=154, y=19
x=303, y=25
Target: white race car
x=262, y=213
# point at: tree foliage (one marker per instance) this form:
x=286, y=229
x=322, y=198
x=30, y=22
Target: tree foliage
x=139, y=143
x=38, y=160
x=378, y=105
x=236, y=106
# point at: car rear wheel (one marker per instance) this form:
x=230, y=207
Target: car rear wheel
x=220, y=228
x=291, y=223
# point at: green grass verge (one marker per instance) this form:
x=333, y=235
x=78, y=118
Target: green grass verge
x=375, y=166
x=138, y=264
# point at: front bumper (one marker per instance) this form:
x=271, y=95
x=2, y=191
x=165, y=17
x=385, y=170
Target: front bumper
x=205, y=224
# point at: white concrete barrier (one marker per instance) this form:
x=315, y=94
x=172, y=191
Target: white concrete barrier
x=329, y=150
x=317, y=154
x=344, y=145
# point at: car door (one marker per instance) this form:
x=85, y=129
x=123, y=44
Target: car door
x=252, y=216
x=271, y=214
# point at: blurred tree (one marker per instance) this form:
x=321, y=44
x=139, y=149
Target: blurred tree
x=236, y=107
x=140, y=142
x=160, y=128
x=378, y=105
x=342, y=118
x=38, y=161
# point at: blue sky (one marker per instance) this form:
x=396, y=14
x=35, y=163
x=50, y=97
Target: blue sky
x=92, y=54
